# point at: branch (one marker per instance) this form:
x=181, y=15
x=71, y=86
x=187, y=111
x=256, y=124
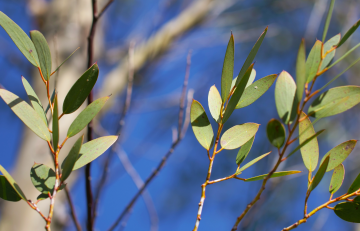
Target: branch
x=72, y=210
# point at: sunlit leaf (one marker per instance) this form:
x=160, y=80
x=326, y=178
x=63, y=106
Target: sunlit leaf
x=70, y=160
x=93, y=149
x=334, y=101
x=214, y=100
x=285, y=90
x=86, y=116
x=250, y=59
x=327, y=47
x=238, y=135
x=255, y=90
x=251, y=163
x=55, y=125
x=348, y=211
x=339, y=153
x=34, y=100
x=244, y=151
x=239, y=90
x=228, y=70
x=276, y=133
x=251, y=79
x=201, y=125
x=313, y=61
x=337, y=178
x=20, y=38
x=275, y=174
x=301, y=71
x=80, y=90
x=26, y=113
x=43, y=51
x=349, y=33
x=13, y=184
x=43, y=178
x=305, y=142
x=319, y=174
x=7, y=192
x=310, y=151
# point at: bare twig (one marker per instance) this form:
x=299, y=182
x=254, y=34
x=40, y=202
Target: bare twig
x=72, y=210
x=162, y=162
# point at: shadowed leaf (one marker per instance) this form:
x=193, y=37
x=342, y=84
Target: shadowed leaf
x=7, y=192
x=55, y=125
x=251, y=79
x=285, y=90
x=52, y=101
x=70, y=160
x=44, y=196
x=276, y=174
x=214, y=100
x=26, y=113
x=43, y=178
x=276, y=133
x=13, y=184
x=355, y=185
x=43, y=51
x=238, y=135
x=228, y=70
x=337, y=178
x=201, y=125
x=251, y=163
x=313, y=61
x=349, y=33
x=348, y=211
x=319, y=174
x=244, y=151
x=339, y=153
x=300, y=71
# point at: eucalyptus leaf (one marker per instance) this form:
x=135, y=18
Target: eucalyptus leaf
x=228, y=70
x=201, y=125
x=251, y=79
x=327, y=47
x=305, y=142
x=238, y=135
x=7, y=192
x=34, y=100
x=355, y=185
x=70, y=160
x=339, y=153
x=337, y=178
x=348, y=211
x=276, y=133
x=93, y=149
x=20, y=38
x=215, y=103
x=334, y=101
x=285, y=90
x=301, y=71
x=255, y=90
x=13, y=183
x=310, y=151
x=80, y=90
x=26, y=113
x=251, y=163
x=275, y=174
x=52, y=101
x=319, y=175
x=313, y=61
x=349, y=33
x=86, y=116
x=244, y=151
x=43, y=178
x=55, y=125
x=43, y=51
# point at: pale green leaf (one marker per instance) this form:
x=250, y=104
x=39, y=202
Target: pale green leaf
x=337, y=178
x=238, y=135
x=301, y=71
x=327, y=47
x=43, y=178
x=313, y=61
x=285, y=90
x=214, y=100
x=251, y=163
x=305, y=142
x=275, y=174
x=339, y=153
x=43, y=51
x=251, y=79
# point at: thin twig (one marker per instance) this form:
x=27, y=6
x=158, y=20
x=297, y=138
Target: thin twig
x=72, y=210
x=159, y=167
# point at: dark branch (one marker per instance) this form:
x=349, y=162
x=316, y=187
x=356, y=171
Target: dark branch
x=72, y=210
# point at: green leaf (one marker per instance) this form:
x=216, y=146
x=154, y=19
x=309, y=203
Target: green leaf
x=251, y=163
x=43, y=51
x=80, y=90
x=313, y=61
x=305, y=142
x=20, y=38
x=285, y=90
x=52, y=101
x=251, y=79
x=70, y=160
x=65, y=61
x=334, y=101
x=93, y=149
x=43, y=178
x=13, y=183
x=339, y=153
x=55, y=125
x=255, y=90
x=26, y=113
x=228, y=70
x=7, y=192
x=238, y=135
x=214, y=100
x=44, y=196
x=34, y=100
x=86, y=116
x=301, y=71
x=275, y=174
x=244, y=151
x=310, y=151
x=337, y=178
x=355, y=185
x=327, y=47
x=275, y=133
x=201, y=125
x=348, y=211
x=349, y=33
x=328, y=18
x=250, y=59
x=319, y=175
x=239, y=90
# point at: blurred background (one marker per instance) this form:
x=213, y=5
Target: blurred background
x=163, y=32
